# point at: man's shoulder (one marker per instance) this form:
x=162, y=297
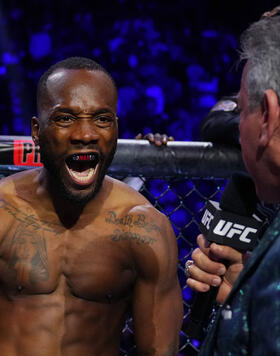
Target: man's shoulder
x=130, y=201
x=23, y=176
x=128, y=195
x=127, y=201
x=10, y=203
x=15, y=185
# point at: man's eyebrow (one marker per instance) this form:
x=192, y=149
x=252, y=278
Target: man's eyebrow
x=103, y=111
x=65, y=110
x=73, y=112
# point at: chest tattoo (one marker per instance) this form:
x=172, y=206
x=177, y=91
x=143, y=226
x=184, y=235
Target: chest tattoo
x=29, y=219
x=27, y=247
x=28, y=256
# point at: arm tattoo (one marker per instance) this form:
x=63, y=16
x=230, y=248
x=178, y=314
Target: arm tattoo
x=121, y=235
x=130, y=221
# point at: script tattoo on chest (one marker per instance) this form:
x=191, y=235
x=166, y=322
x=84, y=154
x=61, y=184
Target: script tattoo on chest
x=128, y=222
x=27, y=249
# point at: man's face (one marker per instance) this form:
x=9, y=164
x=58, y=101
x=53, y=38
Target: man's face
x=78, y=131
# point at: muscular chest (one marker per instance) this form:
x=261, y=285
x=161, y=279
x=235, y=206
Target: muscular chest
x=34, y=260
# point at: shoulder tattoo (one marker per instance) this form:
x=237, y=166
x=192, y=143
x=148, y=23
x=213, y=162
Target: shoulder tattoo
x=137, y=228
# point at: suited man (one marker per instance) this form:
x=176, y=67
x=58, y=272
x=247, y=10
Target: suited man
x=248, y=323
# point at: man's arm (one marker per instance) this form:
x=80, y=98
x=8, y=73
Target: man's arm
x=207, y=269
x=221, y=125
x=157, y=299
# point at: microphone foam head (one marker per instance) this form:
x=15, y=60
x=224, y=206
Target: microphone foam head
x=239, y=196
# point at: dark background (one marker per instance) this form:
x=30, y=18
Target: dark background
x=171, y=59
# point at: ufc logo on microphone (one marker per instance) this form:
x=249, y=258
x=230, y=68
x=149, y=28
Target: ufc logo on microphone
x=207, y=218
x=229, y=229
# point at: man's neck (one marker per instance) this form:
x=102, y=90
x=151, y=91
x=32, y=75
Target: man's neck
x=66, y=209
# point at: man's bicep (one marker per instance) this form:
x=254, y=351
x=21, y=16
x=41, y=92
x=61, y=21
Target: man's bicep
x=157, y=299
x=157, y=315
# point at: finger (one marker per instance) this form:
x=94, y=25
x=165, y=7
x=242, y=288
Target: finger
x=218, y=252
x=206, y=264
x=197, y=286
x=225, y=253
x=159, y=139
x=164, y=139
x=224, y=291
x=139, y=137
x=150, y=137
x=245, y=257
x=203, y=244
x=199, y=275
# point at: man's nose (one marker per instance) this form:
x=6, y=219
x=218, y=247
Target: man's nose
x=84, y=131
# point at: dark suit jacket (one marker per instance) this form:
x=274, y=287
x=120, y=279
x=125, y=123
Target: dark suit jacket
x=221, y=125
x=249, y=321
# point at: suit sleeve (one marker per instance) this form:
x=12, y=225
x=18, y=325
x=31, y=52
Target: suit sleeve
x=221, y=125
x=265, y=306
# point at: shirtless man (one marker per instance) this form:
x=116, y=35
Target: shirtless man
x=78, y=248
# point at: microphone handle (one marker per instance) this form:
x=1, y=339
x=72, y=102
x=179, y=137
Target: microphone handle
x=201, y=311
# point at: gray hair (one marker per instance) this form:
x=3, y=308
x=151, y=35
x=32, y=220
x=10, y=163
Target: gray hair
x=260, y=46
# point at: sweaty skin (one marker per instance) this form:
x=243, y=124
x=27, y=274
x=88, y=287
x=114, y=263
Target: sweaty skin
x=69, y=270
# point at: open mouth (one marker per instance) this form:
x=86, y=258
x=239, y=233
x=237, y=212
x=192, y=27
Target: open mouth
x=82, y=167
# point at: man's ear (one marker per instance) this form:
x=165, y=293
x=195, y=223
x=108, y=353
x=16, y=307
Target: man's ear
x=35, y=129
x=270, y=118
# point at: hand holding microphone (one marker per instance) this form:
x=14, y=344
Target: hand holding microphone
x=214, y=265
x=231, y=230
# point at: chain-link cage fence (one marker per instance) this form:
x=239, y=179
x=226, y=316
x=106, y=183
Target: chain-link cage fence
x=177, y=179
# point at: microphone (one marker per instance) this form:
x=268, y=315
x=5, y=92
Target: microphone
x=231, y=222
x=228, y=223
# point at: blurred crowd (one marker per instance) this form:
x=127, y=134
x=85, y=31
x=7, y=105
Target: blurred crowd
x=170, y=62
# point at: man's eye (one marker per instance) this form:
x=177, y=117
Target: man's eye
x=64, y=119
x=104, y=120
